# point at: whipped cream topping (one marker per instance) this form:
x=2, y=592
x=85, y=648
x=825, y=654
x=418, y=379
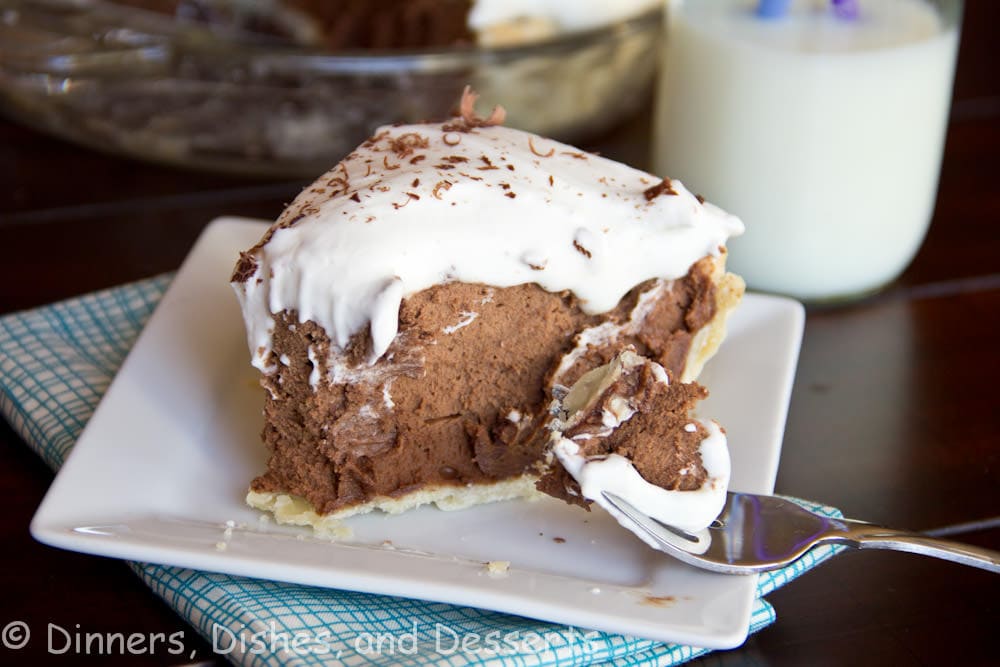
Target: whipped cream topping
x=420, y=205
x=688, y=510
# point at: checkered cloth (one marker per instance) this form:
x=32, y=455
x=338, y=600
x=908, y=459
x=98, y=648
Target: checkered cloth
x=55, y=364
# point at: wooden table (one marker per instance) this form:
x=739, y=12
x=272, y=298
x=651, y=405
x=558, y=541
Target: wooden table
x=893, y=417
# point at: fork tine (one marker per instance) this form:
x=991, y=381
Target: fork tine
x=667, y=538
x=670, y=541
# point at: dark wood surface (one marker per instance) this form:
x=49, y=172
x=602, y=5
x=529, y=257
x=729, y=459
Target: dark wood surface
x=893, y=416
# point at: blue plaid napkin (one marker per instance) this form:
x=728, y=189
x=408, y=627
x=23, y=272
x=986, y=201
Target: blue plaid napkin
x=55, y=364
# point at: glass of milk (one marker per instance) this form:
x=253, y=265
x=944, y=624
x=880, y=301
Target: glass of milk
x=820, y=123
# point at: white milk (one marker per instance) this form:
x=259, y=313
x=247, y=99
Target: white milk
x=824, y=135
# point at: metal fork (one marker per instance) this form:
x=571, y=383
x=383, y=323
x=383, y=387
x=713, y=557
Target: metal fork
x=756, y=533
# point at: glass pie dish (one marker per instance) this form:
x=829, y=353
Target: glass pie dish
x=145, y=85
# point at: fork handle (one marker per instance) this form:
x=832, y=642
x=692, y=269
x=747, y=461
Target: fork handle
x=870, y=536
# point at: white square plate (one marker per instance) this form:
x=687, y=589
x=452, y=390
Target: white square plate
x=166, y=460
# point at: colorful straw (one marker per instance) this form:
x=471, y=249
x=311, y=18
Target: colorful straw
x=772, y=9
x=845, y=9
x=776, y=9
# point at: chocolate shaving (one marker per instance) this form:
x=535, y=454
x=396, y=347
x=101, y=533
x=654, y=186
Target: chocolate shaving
x=552, y=181
x=356, y=198
x=467, y=118
x=531, y=145
x=370, y=142
x=409, y=197
x=245, y=268
x=415, y=183
x=583, y=251
x=340, y=184
x=575, y=154
x=489, y=164
x=436, y=192
x=510, y=194
x=701, y=200
x=417, y=158
x=385, y=163
x=664, y=187
x=406, y=144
